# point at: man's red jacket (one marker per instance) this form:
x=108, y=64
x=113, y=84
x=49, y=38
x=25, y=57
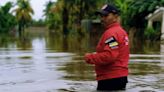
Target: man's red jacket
x=112, y=54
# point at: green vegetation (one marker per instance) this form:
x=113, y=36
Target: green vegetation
x=138, y=10
x=38, y=23
x=23, y=14
x=71, y=12
x=7, y=20
x=149, y=32
x=52, y=19
x=65, y=16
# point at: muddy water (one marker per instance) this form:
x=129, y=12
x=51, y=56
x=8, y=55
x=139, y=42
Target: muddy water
x=43, y=62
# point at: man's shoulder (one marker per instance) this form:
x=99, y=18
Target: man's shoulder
x=115, y=32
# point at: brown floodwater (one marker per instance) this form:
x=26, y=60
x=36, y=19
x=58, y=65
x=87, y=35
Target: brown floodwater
x=47, y=62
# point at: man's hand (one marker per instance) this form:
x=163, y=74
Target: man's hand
x=88, y=58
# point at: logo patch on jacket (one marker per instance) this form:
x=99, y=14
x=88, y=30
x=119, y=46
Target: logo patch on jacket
x=126, y=40
x=112, y=42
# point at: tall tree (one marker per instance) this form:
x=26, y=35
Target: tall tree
x=49, y=15
x=123, y=6
x=7, y=20
x=23, y=14
x=52, y=16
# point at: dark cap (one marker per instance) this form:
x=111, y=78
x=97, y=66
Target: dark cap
x=106, y=9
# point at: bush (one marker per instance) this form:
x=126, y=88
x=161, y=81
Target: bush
x=150, y=33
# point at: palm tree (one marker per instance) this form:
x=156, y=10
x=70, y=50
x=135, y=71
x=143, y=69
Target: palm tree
x=23, y=14
x=48, y=13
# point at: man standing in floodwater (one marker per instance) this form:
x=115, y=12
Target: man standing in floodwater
x=112, y=52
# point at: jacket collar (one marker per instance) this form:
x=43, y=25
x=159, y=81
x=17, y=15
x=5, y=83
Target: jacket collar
x=112, y=25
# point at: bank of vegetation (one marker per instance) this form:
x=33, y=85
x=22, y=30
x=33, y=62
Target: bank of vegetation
x=65, y=16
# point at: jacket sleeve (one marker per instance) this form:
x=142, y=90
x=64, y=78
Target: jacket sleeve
x=107, y=56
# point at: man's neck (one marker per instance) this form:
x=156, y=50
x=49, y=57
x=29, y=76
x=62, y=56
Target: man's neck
x=110, y=24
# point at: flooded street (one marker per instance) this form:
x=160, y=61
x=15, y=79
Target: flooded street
x=45, y=62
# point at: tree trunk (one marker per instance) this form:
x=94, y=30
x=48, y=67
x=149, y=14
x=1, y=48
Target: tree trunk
x=20, y=29
x=65, y=19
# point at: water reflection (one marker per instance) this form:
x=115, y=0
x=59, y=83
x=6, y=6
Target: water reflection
x=144, y=47
x=71, y=43
x=78, y=71
x=49, y=62
x=144, y=68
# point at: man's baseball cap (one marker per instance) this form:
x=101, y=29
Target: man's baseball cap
x=106, y=9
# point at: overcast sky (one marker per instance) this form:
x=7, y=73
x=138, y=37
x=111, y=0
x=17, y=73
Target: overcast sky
x=37, y=5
